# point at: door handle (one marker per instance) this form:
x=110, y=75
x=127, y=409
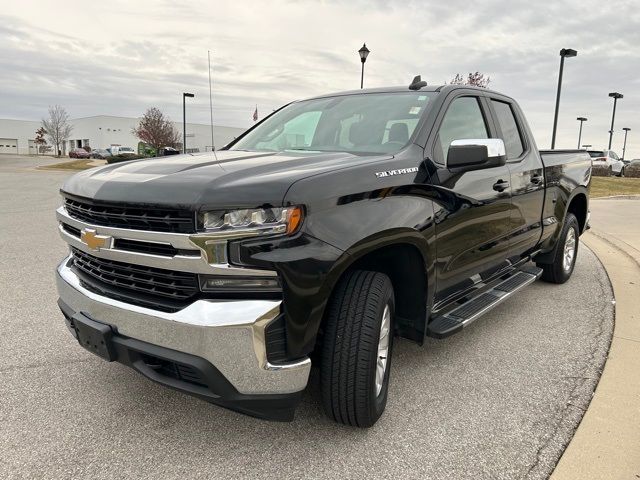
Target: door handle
x=537, y=179
x=500, y=186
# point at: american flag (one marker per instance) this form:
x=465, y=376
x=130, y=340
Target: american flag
x=255, y=114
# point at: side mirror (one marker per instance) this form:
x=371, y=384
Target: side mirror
x=474, y=154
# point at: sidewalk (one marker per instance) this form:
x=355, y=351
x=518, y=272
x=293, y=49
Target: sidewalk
x=606, y=445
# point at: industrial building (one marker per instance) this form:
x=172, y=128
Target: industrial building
x=103, y=131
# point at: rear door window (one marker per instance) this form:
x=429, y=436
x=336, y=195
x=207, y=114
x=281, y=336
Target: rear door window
x=509, y=127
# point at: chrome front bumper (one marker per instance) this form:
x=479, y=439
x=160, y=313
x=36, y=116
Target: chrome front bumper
x=227, y=333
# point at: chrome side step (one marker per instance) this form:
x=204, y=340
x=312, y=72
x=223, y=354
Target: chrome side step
x=455, y=320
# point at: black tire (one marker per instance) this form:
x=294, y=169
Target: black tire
x=350, y=348
x=555, y=272
x=610, y=172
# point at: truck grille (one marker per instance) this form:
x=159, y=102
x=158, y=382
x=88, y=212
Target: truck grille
x=130, y=216
x=149, y=287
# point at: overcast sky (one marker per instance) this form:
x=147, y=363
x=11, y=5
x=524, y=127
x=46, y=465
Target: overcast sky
x=120, y=57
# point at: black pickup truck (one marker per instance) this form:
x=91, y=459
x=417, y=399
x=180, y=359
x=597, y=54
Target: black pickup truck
x=329, y=228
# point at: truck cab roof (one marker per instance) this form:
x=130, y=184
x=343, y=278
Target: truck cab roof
x=405, y=89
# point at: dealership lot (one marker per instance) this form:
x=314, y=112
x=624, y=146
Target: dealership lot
x=499, y=400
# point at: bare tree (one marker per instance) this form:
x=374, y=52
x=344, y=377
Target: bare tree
x=57, y=127
x=157, y=130
x=40, y=140
x=475, y=79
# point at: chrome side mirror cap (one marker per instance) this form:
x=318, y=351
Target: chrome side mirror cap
x=476, y=153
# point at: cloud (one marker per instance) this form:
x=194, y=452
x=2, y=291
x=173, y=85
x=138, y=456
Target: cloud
x=121, y=57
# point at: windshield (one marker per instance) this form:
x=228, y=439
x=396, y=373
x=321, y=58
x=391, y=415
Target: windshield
x=366, y=123
x=596, y=154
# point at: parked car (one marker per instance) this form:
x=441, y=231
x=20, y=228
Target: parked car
x=632, y=168
x=320, y=234
x=78, y=153
x=164, y=151
x=119, y=150
x=100, y=153
x=607, y=159
x=126, y=151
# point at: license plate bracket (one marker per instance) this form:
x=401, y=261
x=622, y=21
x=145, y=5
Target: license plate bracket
x=94, y=336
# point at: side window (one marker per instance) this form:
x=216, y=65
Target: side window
x=463, y=120
x=510, y=131
x=614, y=155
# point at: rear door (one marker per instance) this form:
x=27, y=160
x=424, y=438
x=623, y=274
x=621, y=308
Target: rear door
x=472, y=216
x=527, y=178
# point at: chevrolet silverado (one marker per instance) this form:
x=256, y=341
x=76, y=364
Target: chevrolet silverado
x=326, y=230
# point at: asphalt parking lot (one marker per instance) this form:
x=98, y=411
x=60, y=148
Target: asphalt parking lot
x=499, y=400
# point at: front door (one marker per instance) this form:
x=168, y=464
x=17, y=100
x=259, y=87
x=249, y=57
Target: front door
x=473, y=207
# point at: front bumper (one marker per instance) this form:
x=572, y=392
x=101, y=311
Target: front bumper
x=228, y=335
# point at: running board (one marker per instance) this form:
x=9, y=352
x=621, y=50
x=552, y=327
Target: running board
x=455, y=320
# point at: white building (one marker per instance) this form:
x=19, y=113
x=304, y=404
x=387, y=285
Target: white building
x=102, y=131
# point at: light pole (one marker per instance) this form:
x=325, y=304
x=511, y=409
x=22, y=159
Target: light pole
x=184, y=120
x=615, y=96
x=364, y=53
x=565, y=52
x=581, y=120
x=624, y=148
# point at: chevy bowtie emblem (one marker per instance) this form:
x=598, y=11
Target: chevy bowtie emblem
x=94, y=241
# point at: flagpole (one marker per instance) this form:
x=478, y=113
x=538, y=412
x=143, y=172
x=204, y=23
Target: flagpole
x=213, y=144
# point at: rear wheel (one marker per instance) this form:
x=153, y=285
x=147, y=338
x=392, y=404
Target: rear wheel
x=564, y=259
x=610, y=171
x=356, y=350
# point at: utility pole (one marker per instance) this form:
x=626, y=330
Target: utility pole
x=184, y=120
x=615, y=96
x=564, y=53
x=581, y=120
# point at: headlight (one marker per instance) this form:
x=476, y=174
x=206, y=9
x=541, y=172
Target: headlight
x=266, y=221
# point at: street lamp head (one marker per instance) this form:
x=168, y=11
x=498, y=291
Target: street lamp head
x=189, y=95
x=364, y=53
x=626, y=129
x=568, y=52
x=587, y=146
x=582, y=119
x=616, y=95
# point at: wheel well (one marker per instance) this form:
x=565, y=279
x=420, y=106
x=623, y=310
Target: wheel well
x=578, y=207
x=405, y=266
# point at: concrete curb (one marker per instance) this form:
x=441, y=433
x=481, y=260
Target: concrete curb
x=607, y=441
x=617, y=197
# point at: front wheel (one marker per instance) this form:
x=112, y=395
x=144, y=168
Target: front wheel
x=564, y=259
x=356, y=350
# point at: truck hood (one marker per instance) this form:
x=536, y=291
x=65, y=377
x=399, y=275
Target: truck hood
x=202, y=181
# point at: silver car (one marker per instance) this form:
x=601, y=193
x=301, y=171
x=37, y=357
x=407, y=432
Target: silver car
x=607, y=159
